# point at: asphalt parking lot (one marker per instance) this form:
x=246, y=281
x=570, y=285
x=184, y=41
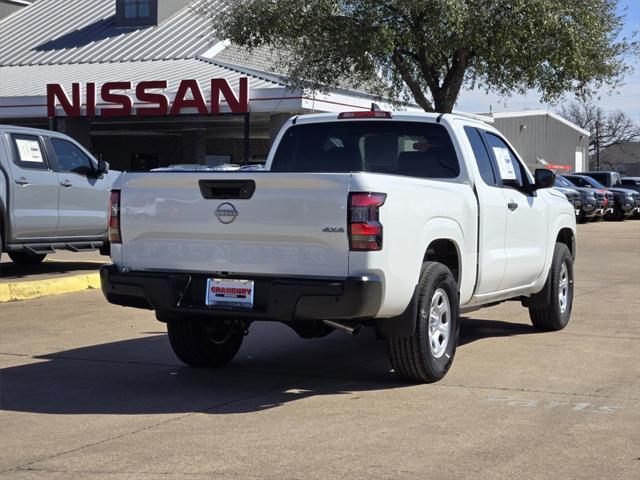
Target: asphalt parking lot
x=90, y=390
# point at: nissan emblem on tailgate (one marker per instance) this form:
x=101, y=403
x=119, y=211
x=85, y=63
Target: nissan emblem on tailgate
x=226, y=213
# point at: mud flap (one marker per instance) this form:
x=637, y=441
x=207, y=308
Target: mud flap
x=404, y=324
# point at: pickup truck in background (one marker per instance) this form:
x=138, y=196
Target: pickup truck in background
x=53, y=195
x=394, y=221
x=625, y=202
x=591, y=202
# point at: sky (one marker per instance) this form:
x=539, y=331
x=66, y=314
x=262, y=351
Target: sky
x=625, y=99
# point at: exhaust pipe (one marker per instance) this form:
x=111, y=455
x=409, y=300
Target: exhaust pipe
x=341, y=326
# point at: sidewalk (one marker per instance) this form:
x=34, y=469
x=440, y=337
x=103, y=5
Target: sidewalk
x=62, y=272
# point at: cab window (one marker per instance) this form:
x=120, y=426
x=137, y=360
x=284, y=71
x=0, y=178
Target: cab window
x=28, y=152
x=71, y=159
x=510, y=170
x=416, y=149
x=481, y=155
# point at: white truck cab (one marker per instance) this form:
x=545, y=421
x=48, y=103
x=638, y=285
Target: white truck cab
x=395, y=221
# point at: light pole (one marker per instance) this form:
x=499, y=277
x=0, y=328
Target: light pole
x=597, y=145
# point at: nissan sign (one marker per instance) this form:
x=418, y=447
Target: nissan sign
x=115, y=101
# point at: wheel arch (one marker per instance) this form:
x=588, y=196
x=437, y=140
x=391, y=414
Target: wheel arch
x=443, y=240
x=447, y=252
x=567, y=236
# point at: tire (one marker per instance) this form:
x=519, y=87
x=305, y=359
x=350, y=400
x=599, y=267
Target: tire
x=582, y=217
x=27, y=259
x=204, y=344
x=427, y=357
x=105, y=249
x=617, y=215
x=555, y=316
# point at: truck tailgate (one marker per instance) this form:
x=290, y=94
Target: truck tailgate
x=292, y=224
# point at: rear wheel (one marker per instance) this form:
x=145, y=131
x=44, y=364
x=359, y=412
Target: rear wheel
x=205, y=344
x=28, y=259
x=555, y=316
x=427, y=355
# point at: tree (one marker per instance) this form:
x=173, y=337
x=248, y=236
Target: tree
x=426, y=50
x=604, y=129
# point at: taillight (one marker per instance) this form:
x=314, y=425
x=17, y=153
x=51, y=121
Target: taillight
x=365, y=229
x=364, y=114
x=114, y=217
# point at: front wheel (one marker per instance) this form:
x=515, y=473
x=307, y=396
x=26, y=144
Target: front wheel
x=427, y=355
x=27, y=259
x=555, y=316
x=205, y=344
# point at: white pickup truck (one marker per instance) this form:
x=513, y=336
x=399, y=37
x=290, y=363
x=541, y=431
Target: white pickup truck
x=395, y=221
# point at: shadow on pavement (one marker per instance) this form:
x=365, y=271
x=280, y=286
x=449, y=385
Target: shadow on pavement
x=12, y=271
x=273, y=367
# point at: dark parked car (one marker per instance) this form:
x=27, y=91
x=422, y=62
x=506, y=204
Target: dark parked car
x=625, y=201
x=590, y=205
x=632, y=183
x=603, y=196
x=613, y=182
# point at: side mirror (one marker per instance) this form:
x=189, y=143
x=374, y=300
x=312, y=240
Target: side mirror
x=103, y=168
x=544, y=178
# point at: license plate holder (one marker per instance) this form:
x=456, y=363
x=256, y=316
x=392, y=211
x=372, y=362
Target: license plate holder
x=229, y=293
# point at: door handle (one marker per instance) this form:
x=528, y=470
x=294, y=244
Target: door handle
x=22, y=181
x=512, y=205
x=66, y=183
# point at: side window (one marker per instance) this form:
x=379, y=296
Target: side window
x=482, y=156
x=28, y=152
x=71, y=158
x=509, y=169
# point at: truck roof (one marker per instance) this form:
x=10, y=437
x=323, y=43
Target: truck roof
x=398, y=115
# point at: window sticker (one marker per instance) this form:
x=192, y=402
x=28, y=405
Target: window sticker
x=503, y=157
x=29, y=150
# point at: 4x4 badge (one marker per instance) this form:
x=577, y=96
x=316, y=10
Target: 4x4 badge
x=333, y=230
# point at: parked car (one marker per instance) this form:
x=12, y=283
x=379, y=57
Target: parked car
x=53, y=195
x=632, y=183
x=626, y=202
x=360, y=219
x=590, y=205
x=603, y=196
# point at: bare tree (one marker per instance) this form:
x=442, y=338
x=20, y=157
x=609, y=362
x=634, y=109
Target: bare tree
x=605, y=129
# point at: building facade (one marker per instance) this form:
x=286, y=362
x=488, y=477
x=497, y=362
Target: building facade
x=545, y=139
x=145, y=84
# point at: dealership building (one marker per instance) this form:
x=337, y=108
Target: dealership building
x=145, y=84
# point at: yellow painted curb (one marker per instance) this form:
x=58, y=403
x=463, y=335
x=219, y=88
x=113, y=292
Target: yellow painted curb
x=10, y=292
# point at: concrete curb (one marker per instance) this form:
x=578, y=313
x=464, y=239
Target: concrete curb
x=11, y=292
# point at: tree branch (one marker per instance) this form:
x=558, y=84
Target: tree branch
x=414, y=86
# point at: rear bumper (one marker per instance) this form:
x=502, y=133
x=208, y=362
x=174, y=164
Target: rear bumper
x=275, y=298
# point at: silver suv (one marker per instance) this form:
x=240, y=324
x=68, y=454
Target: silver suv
x=53, y=195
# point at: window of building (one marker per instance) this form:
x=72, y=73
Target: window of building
x=136, y=9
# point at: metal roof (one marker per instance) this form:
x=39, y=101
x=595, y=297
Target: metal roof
x=55, y=32
x=32, y=80
x=535, y=113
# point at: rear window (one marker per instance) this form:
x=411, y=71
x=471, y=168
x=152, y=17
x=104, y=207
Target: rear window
x=600, y=177
x=402, y=148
